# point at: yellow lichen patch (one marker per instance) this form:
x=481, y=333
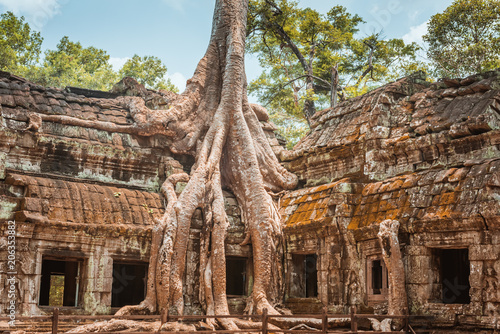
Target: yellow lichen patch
x=448, y=198
x=371, y=188
x=302, y=207
x=285, y=201
x=81, y=203
x=410, y=181
x=444, y=212
x=392, y=214
x=396, y=185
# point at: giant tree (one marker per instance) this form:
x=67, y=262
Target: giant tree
x=465, y=38
x=212, y=121
x=298, y=48
x=311, y=58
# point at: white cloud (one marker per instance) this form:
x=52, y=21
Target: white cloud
x=37, y=12
x=177, y=79
x=175, y=4
x=117, y=63
x=415, y=34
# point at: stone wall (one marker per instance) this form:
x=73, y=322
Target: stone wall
x=89, y=195
x=427, y=155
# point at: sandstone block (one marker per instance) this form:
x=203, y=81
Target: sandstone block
x=419, y=270
x=483, y=252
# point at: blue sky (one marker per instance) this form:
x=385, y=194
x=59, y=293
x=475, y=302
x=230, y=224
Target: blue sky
x=177, y=31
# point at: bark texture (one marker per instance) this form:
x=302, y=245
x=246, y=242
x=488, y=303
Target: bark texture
x=213, y=121
x=391, y=252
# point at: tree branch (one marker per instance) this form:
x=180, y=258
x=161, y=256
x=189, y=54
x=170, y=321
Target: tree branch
x=370, y=63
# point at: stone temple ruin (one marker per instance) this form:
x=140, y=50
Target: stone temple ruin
x=426, y=155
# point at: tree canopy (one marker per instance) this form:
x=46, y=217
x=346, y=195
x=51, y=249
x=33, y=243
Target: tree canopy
x=310, y=59
x=149, y=71
x=465, y=38
x=70, y=64
x=19, y=45
x=73, y=65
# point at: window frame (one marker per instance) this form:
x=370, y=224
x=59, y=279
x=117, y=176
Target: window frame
x=79, y=289
x=374, y=298
x=438, y=293
x=303, y=275
x=119, y=261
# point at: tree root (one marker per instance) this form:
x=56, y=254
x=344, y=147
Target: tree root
x=383, y=326
x=213, y=121
x=303, y=327
x=391, y=252
x=116, y=325
x=313, y=323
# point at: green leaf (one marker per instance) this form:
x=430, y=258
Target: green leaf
x=464, y=39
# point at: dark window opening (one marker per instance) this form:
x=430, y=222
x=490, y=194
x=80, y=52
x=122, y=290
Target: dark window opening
x=60, y=283
x=129, y=284
x=236, y=269
x=454, y=273
x=304, y=280
x=377, y=280
x=311, y=276
x=377, y=277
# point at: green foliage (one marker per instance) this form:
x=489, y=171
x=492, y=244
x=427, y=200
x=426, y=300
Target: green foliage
x=390, y=60
x=19, y=46
x=465, y=38
x=149, y=71
x=319, y=39
x=73, y=65
x=70, y=64
x=289, y=127
x=299, y=47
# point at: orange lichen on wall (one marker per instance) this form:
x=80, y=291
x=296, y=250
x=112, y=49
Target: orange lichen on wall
x=302, y=207
x=452, y=194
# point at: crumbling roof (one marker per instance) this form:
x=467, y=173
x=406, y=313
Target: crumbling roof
x=18, y=97
x=353, y=119
x=466, y=196
x=427, y=155
x=305, y=206
x=50, y=200
x=401, y=127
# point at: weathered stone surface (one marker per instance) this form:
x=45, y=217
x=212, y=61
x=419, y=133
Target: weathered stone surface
x=85, y=194
x=443, y=117
x=426, y=156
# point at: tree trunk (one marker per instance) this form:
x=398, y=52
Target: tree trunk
x=213, y=121
x=334, y=86
x=309, y=108
x=398, y=300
